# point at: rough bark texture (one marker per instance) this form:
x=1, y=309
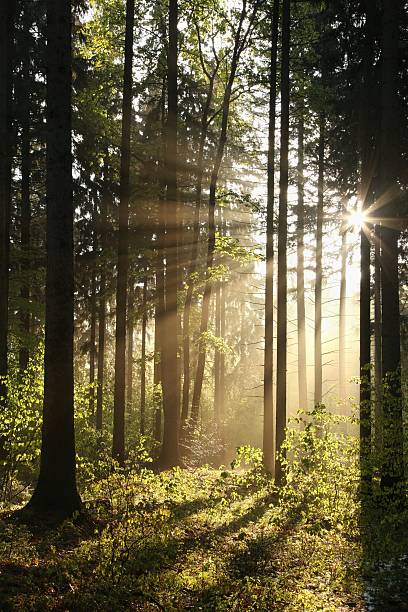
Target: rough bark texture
x=269, y=425
x=56, y=493
x=118, y=447
x=281, y=357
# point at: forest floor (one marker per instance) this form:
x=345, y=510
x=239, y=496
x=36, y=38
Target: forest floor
x=199, y=539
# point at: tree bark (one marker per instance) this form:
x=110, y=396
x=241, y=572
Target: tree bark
x=392, y=469
x=269, y=425
x=318, y=366
x=343, y=307
x=56, y=492
x=25, y=209
x=300, y=272
x=92, y=339
x=143, y=361
x=7, y=11
x=102, y=298
x=118, y=447
x=281, y=357
x=170, y=454
x=130, y=332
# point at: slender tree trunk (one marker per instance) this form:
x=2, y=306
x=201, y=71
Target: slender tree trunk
x=239, y=45
x=377, y=344
x=143, y=361
x=366, y=188
x=281, y=361
x=217, y=355
x=118, y=448
x=130, y=332
x=56, y=492
x=7, y=10
x=25, y=210
x=300, y=272
x=392, y=469
x=92, y=338
x=157, y=391
x=342, y=308
x=269, y=425
x=221, y=397
x=318, y=366
x=170, y=455
x=102, y=300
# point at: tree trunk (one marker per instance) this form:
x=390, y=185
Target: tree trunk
x=92, y=339
x=25, y=209
x=269, y=425
x=170, y=454
x=130, y=332
x=392, y=469
x=56, y=493
x=118, y=447
x=343, y=307
x=366, y=188
x=157, y=391
x=102, y=299
x=7, y=10
x=217, y=355
x=143, y=361
x=318, y=366
x=377, y=344
x=300, y=272
x=281, y=360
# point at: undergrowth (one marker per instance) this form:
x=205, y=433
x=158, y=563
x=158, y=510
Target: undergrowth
x=201, y=538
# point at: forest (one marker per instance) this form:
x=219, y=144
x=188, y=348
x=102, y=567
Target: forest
x=204, y=305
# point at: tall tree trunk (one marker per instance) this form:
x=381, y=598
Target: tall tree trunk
x=143, y=361
x=92, y=338
x=130, y=332
x=25, y=208
x=300, y=272
x=343, y=307
x=217, y=355
x=269, y=425
x=7, y=10
x=318, y=366
x=392, y=469
x=281, y=357
x=239, y=45
x=377, y=345
x=170, y=454
x=118, y=447
x=102, y=298
x=366, y=188
x=56, y=492
x=157, y=390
